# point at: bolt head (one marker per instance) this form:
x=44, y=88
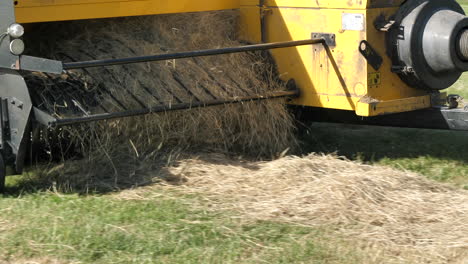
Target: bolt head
x=15, y=30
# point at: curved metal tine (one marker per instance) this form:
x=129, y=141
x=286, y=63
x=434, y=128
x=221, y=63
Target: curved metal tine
x=75, y=101
x=214, y=79
x=145, y=88
x=120, y=104
x=148, y=90
x=133, y=96
x=171, y=93
x=179, y=81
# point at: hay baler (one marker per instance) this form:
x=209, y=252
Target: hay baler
x=380, y=62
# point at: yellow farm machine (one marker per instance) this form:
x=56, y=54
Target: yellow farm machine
x=381, y=62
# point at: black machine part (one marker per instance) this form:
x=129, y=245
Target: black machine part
x=428, y=43
x=442, y=117
x=2, y=173
x=15, y=112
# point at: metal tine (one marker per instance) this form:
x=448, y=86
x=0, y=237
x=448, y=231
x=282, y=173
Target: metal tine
x=210, y=75
x=222, y=86
x=51, y=94
x=74, y=87
x=75, y=101
x=119, y=103
x=79, y=106
x=175, y=77
x=159, y=100
x=113, y=77
x=204, y=88
x=238, y=86
x=134, y=97
x=207, y=90
x=179, y=81
x=169, y=91
x=101, y=87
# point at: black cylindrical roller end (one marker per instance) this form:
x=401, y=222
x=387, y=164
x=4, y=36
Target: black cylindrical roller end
x=462, y=45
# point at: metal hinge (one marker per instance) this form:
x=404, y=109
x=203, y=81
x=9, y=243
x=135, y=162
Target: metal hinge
x=265, y=10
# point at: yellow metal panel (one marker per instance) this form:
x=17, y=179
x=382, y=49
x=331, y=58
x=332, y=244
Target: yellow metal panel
x=250, y=2
x=344, y=4
x=340, y=78
x=250, y=29
x=336, y=4
x=59, y=10
x=322, y=76
x=367, y=107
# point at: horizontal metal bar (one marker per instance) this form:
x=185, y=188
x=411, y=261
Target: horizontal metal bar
x=165, y=108
x=190, y=54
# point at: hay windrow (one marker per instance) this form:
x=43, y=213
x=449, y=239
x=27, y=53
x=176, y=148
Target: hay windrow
x=402, y=216
x=122, y=148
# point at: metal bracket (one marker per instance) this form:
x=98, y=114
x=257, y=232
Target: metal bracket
x=402, y=69
x=454, y=101
x=16, y=109
x=330, y=39
x=29, y=63
x=382, y=24
x=10, y=61
x=372, y=57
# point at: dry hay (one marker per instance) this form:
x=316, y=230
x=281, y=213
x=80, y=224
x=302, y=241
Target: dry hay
x=117, y=149
x=36, y=261
x=400, y=217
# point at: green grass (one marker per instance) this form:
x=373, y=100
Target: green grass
x=439, y=155
x=460, y=87
x=103, y=229
x=464, y=3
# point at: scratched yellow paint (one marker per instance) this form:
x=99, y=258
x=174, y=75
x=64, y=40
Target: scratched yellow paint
x=340, y=78
x=341, y=4
x=28, y=11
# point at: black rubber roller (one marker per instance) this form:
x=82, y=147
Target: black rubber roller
x=429, y=43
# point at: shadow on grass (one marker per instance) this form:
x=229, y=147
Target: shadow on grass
x=437, y=154
x=73, y=182
x=368, y=143
x=145, y=174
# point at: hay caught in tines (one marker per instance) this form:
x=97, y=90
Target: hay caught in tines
x=401, y=216
x=119, y=148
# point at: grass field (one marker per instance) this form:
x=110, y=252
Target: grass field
x=464, y=3
x=43, y=226
x=48, y=227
